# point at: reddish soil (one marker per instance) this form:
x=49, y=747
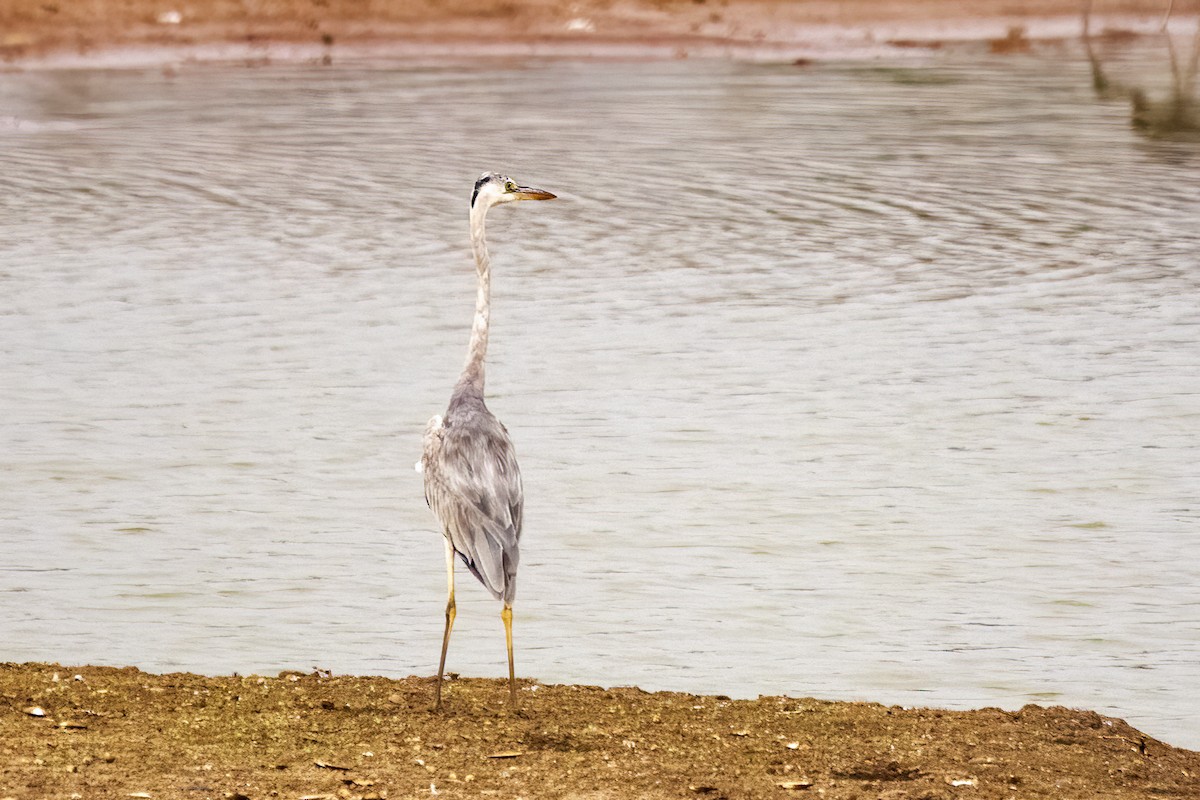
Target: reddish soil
x=36, y=28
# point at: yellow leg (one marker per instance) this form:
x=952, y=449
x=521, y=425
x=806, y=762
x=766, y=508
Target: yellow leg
x=450, y=612
x=506, y=615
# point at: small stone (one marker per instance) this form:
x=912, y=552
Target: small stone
x=792, y=785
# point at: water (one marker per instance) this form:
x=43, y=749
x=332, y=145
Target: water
x=850, y=381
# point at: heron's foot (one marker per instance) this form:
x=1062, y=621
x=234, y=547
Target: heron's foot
x=439, y=683
x=503, y=709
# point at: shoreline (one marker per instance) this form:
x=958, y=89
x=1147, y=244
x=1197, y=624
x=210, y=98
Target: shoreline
x=122, y=732
x=136, y=35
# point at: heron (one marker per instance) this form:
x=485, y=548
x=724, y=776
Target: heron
x=472, y=481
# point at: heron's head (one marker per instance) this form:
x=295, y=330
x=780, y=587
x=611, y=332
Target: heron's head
x=492, y=189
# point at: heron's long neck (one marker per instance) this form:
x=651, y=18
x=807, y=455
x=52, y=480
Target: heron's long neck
x=477, y=348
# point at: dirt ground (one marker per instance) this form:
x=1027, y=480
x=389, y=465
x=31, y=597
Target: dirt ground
x=36, y=28
x=100, y=732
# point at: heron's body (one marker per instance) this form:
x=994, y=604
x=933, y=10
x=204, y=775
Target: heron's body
x=473, y=485
x=472, y=481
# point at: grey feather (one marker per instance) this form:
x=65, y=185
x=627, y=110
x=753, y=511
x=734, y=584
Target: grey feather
x=473, y=486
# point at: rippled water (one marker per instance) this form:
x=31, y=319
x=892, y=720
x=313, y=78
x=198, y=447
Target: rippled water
x=848, y=381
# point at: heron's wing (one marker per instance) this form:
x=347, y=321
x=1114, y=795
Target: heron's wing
x=473, y=486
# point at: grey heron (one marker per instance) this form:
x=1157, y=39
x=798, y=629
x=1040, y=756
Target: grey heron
x=472, y=481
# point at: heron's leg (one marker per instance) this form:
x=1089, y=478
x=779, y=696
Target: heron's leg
x=450, y=612
x=506, y=615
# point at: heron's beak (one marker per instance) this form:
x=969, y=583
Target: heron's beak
x=529, y=193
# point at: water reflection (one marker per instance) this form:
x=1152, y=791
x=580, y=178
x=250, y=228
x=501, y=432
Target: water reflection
x=844, y=381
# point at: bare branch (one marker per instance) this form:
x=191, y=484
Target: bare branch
x=1167, y=16
x=1099, y=79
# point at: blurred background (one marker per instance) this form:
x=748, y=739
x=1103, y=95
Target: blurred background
x=859, y=358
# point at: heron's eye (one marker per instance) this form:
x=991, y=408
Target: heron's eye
x=510, y=186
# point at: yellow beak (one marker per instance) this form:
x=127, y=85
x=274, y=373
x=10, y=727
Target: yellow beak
x=529, y=193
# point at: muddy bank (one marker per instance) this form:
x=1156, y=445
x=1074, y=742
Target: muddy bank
x=105, y=732
x=158, y=30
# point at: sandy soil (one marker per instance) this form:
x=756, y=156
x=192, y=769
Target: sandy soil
x=290, y=29
x=103, y=732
